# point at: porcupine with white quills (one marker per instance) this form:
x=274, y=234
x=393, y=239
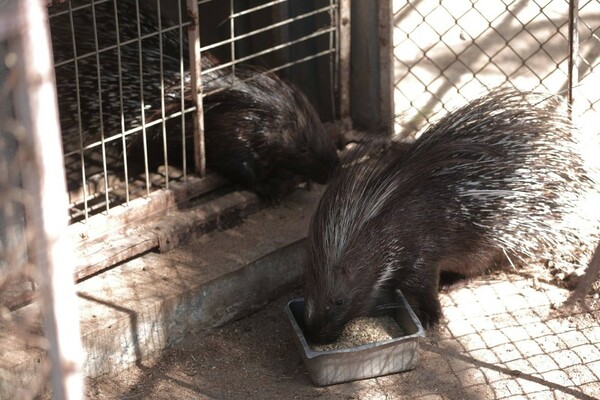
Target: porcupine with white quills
x=502, y=178
x=259, y=130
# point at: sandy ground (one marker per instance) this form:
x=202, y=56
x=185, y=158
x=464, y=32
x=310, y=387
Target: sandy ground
x=503, y=337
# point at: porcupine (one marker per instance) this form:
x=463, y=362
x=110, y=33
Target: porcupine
x=259, y=129
x=501, y=178
x=273, y=131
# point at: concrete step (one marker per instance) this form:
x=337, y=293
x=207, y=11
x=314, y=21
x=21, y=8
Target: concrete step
x=133, y=311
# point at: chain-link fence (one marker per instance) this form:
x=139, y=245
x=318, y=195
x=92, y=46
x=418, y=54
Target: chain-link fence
x=448, y=52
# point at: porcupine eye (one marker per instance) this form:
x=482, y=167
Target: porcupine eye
x=339, y=302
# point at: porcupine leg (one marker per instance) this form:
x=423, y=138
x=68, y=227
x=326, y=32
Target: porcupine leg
x=421, y=291
x=276, y=186
x=268, y=189
x=426, y=306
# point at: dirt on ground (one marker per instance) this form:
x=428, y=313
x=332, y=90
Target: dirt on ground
x=503, y=336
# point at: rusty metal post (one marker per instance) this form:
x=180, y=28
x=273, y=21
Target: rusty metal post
x=344, y=62
x=573, y=73
x=196, y=89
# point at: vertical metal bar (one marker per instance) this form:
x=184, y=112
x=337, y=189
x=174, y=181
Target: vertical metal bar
x=281, y=35
x=232, y=33
x=386, y=97
x=196, y=88
x=79, y=125
x=101, y=115
x=344, y=25
x=47, y=203
x=573, y=73
x=121, y=101
x=143, y=106
x=182, y=89
x=162, y=95
x=333, y=56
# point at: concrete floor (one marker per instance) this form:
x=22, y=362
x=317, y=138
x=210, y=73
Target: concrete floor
x=131, y=312
x=502, y=338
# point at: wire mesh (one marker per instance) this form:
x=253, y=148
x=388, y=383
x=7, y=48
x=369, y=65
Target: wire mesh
x=448, y=52
x=501, y=347
x=111, y=76
x=124, y=83
x=588, y=60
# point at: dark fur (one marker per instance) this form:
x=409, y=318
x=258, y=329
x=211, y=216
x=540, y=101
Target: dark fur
x=273, y=131
x=485, y=183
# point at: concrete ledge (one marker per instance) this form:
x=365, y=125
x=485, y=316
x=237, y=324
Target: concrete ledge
x=135, y=310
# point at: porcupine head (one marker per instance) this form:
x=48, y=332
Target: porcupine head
x=330, y=303
x=307, y=149
x=348, y=258
x=262, y=130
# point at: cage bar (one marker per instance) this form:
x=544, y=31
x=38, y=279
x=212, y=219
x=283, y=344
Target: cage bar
x=79, y=127
x=44, y=179
x=182, y=90
x=195, y=72
x=573, y=72
x=121, y=101
x=142, y=100
x=344, y=25
x=102, y=137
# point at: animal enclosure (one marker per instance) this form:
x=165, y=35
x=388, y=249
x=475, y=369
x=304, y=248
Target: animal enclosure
x=124, y=76
x=132, y=77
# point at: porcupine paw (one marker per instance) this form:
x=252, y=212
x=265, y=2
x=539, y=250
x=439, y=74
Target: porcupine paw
x=269, y=191
x=428, y=310
x=273, y=190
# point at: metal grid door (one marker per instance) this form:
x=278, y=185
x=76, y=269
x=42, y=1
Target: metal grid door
x=124, y=77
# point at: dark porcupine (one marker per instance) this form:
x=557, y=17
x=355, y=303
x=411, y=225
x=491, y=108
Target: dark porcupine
x=272, y=129
x=259, y=130
x=502, y=178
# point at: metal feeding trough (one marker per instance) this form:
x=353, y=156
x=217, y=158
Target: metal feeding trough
x=361, y=362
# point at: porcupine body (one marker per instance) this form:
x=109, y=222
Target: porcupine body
x=500, y=178
x=273, y=131
x=259, y=130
